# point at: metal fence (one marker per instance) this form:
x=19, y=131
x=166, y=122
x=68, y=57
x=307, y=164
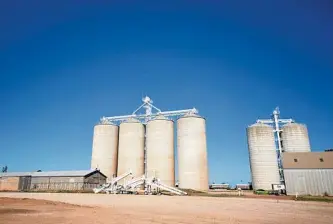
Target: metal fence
x=70, y=186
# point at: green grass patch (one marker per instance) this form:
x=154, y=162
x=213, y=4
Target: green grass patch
x=314, y=198
x=261, y=192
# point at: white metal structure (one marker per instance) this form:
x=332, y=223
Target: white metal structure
x=192, y=153
x=276, y=121
x=295, y=138
x=132, y=185
x=112, y=186
x=263, y=156
x=157, y=184
x=144, y=118
x=105, y=149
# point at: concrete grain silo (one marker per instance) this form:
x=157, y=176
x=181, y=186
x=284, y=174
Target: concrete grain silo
x=160, y=150
x=295, y=138
x=131, y=148
x=105, y=149
x=192, y=153
x=263, y=156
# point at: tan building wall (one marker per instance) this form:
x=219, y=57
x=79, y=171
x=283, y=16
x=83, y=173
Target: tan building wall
x=307, y=160
x=95, y=178
x=9, y=183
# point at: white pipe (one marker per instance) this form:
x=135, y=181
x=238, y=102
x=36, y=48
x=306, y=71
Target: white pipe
x=138, y=108
x=286, y=120
x=265, y=121
x=277, y=130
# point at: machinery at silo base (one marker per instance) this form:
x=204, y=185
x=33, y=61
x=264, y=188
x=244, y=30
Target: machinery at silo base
x=153, y=186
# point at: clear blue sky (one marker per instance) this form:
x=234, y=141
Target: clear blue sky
x=65, y=64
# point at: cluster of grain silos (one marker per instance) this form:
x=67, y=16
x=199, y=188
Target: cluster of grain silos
x=118, y=149
x=264, y=149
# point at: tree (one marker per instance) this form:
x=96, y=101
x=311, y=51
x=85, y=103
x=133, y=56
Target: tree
x=5, y=169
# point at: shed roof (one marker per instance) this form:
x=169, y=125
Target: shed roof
x=307, y=160
x=15, y=174
x=71, y=173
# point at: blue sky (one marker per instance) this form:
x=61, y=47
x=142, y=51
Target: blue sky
x=67, y=63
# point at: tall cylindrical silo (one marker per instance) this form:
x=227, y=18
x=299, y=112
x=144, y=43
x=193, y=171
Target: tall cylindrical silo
x=295, y=138
x=263, y=156
x=160, y=150
x=131, y=148
x=192, y=153
x=105, y=149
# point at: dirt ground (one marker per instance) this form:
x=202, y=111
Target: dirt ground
x=32, y=208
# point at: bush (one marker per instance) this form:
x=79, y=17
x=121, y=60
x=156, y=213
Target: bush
x=260, y=191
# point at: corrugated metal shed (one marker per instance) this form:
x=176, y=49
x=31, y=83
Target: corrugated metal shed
x=16, y=174
x=72, y=173
x=309, y=181
x=308, y=173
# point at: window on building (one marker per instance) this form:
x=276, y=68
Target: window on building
x=295, y=160
x=321, y=160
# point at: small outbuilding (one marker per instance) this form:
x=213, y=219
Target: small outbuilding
x=15, y=181
x=308, y=173
x=51, y=180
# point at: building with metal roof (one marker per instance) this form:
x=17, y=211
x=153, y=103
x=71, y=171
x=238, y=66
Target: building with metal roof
x=15, y=174
x=51, y=180
x=70, y=173
x=308, y=173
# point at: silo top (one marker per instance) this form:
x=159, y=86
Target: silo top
x=259, y=128
x=160, y=117
x=290, y=125
x=132, y=120
x=259, y=125
x=191, y=116
x=109, y=124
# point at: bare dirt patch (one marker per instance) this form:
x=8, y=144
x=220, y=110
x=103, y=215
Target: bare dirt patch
x=14, y=211
x=132, y=209
x=32, y=211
